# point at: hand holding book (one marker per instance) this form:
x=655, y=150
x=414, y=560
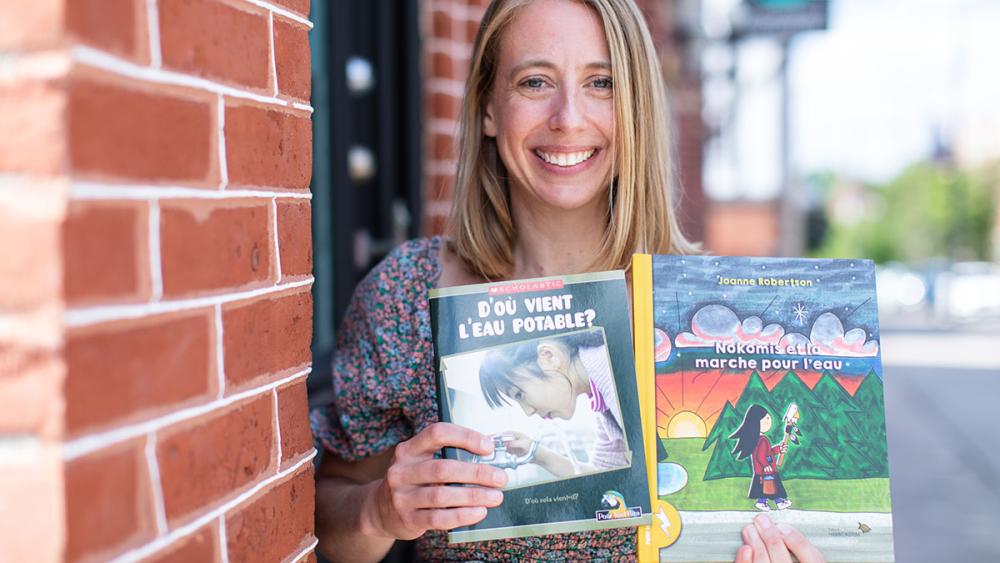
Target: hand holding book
x=415, y=497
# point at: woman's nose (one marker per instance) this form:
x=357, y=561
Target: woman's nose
x=567, y=113
x=528, y=411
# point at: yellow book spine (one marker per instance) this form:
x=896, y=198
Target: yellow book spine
x=642, y=319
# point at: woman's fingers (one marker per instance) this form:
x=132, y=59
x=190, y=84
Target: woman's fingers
x=452, y=497
x=441, y=435
x=443, y=471
x=753, y=540
x=744, y=554
x=448, y=519
x=773, y=541
x=798, y=544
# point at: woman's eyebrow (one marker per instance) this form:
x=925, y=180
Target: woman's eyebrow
x=600, y=65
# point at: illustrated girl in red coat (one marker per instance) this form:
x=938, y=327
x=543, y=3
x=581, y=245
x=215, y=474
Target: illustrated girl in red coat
x=751, y=441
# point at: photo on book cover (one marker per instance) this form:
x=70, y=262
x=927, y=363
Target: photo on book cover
x=549, y=403
x=545, y=367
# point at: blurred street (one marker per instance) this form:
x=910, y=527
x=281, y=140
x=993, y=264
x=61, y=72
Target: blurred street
x=942, y=384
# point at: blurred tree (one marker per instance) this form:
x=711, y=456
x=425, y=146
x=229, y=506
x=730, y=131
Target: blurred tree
x=929, y=210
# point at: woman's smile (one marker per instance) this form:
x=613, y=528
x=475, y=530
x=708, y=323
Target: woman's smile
x=566, y=160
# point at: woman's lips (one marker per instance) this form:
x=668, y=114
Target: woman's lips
x=565, y=159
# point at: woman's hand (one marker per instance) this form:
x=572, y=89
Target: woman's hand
x=520, y=444
x=415, y=496
x=766, y=542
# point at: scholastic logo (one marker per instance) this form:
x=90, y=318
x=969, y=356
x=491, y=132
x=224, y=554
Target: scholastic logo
x=616, y=508
x=520, y=287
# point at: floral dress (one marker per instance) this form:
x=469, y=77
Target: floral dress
x=385, y=392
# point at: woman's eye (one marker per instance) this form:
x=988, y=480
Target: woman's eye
x=533, y=83
x=603, y=83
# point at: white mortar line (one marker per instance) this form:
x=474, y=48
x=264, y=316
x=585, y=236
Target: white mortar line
x=223, y=544
x=155, y=485
x=43, y=65
x=153, y=21
x=453, y=88
x=89, y=190
x=93, y=315
x=301, y=106
x=277, y=245
x=300, y=556
x=277, y=427
x=187, y=530
x=274, y=64
x=155, y=265
x=441, y=167
x=223, y=166
x=89, y=444
x=98, y=59
x=282, y=12
x=443, y=126
x=220, y=359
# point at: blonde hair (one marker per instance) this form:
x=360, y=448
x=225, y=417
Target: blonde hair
x=641, y=217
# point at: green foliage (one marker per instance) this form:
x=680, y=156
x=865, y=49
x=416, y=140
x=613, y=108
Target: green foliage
x=843, y=437
x=929, y=210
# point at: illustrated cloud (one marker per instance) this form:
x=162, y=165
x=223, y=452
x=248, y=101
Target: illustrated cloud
x=717, y=323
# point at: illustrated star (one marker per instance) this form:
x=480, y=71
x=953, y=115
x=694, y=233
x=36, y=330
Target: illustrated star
x=800, y=313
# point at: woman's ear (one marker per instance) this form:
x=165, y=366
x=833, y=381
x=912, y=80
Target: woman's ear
x=489, y=125
x=549, y=356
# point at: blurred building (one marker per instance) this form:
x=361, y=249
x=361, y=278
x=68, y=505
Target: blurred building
x=155, y=310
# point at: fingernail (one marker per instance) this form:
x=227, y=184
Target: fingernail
x=499, y=477
x=785, y=529
x=487, y=444
x=495, y=497
x=763, y=521
x=745, y=532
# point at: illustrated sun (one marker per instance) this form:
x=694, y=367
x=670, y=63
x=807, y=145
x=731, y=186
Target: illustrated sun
x=686, y=424
x=800, y=313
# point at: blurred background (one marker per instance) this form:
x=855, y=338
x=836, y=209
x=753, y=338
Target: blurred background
x=840, y=128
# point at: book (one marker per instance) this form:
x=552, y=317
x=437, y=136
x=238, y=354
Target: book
x=763, y=393
x=546, y=368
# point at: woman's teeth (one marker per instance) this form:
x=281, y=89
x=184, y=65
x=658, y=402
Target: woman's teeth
x=565, y=158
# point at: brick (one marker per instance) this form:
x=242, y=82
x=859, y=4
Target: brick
x=266, y=336
x=295, y=238
x=206, y=245
x=216, y=40
x=293, y=417
x=108, y=502
x=31, y=128
x=267, y=147
x=31, y=387
x=443, y=25
x=440, y=188
x=292, y=58
x=274, y=525
x=117, y=26
x=200, y=546
x=214, y=457
x=442, y=147
x=443, y=66
x=444, y=106
x=30, y=25
x=300, y=6
x=138, y=369
x=106, y=249
x=472, y=29
x=119, y=132
x=29, y=270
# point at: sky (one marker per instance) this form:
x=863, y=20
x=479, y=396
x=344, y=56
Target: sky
x=868, y=95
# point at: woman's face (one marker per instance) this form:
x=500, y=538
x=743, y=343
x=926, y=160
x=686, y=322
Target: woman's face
x=766, y=423
x=551, y=109
x=549, y=397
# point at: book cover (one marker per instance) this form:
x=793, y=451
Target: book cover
x=766, y=390
x=545, y=366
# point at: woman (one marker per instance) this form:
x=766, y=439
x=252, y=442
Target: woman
x=751, y=441
x=545, y=377
x=563, y=168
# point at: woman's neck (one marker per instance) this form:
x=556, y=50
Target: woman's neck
x=556, y=242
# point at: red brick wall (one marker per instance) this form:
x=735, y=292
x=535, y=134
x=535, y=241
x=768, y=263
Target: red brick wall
x=449, y=28
x=156, y=315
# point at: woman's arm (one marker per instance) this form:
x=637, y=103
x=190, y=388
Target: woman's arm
x=363, y=507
